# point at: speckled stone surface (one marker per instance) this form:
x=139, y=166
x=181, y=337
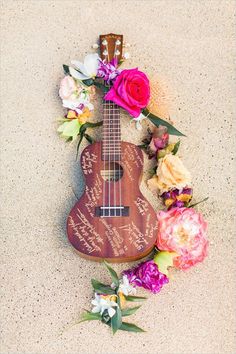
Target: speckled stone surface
x=190, y=47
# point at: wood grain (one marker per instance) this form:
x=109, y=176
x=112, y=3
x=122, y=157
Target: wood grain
x=116, y=239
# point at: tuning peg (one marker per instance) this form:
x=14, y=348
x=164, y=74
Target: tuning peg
x=126, y=55
x=104, y=42
x=95, y=46
x=118, y=42
x=126, y=45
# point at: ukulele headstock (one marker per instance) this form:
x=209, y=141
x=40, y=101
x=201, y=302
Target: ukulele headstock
x=111, y=46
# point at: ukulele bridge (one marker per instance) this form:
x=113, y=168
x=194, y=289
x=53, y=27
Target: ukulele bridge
x=111, y=211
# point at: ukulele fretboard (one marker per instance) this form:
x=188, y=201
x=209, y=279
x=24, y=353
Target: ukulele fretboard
x=111, y=143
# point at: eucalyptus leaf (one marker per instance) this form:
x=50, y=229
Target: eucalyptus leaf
x=90, y=316
x=135, y=298
x=66, y=69
x=88, y=82
x=130, y=327
x=113, y=274
x=158, y=121
x=116, y=320
x=102, y=288
x=176, y=148
x=101, y=86
x=129, y=311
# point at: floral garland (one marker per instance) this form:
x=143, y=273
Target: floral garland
x=181, y=238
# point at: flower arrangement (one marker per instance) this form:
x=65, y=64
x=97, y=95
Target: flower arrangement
x=129, y=89
x=181, y=240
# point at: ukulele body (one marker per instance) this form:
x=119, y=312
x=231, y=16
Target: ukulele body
x=112, y=220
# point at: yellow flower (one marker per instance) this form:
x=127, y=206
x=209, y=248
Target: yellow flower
x=71, y=114
x=109, y=297
x=122, y=299
x=84, y=116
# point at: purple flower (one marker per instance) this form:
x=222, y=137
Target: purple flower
x=177, y=198
x=147, y=275
x=108, y=71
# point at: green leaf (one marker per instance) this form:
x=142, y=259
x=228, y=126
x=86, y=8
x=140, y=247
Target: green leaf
x=201, y=201
x=66, y=69
x=158, y=121
x=176, y=148
x=129, y=311
x=130, y=327
x=164, y=260
x=90, y=316
x=113, y=274
x=91, y=125
x=116, y=320
x=102, y=288
x=79, y=142
x=88, y=82
x=89, y=138
x=101, y=86
x=135, y=298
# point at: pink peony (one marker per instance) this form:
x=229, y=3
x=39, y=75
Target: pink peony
x=183, y=230
x=67, y=88
x=131, y=91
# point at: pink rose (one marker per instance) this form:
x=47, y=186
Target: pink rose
x=183, y=230
x=67, y=88
x=131, y=91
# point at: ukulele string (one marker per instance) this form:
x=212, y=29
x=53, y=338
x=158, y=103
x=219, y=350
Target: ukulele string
x=114, y=154
x=105, y=146
x=109, y=161
x=104, y=160
x=119, y=144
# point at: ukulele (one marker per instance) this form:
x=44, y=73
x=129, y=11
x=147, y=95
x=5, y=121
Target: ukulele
x=112, y=220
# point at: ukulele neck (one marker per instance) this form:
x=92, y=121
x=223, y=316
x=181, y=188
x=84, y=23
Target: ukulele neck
x=111, y=141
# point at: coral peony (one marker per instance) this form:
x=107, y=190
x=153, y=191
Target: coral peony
x=131, y=91
x=183, y=230
x=147, y=275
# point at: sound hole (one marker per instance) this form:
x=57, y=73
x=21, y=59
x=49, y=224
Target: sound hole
x=112, y=172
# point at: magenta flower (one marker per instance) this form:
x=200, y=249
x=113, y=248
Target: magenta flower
x=131, y=91
x=108, y=71
x=147, y=275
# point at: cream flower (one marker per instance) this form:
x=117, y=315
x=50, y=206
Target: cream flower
x=171, y=173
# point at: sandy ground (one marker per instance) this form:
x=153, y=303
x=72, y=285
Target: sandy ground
x=189, y=46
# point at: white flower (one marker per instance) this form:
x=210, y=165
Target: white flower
x=138, y=121
x=100, y=305
x=125, y=287
x=87, y=70
x=79, y=103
